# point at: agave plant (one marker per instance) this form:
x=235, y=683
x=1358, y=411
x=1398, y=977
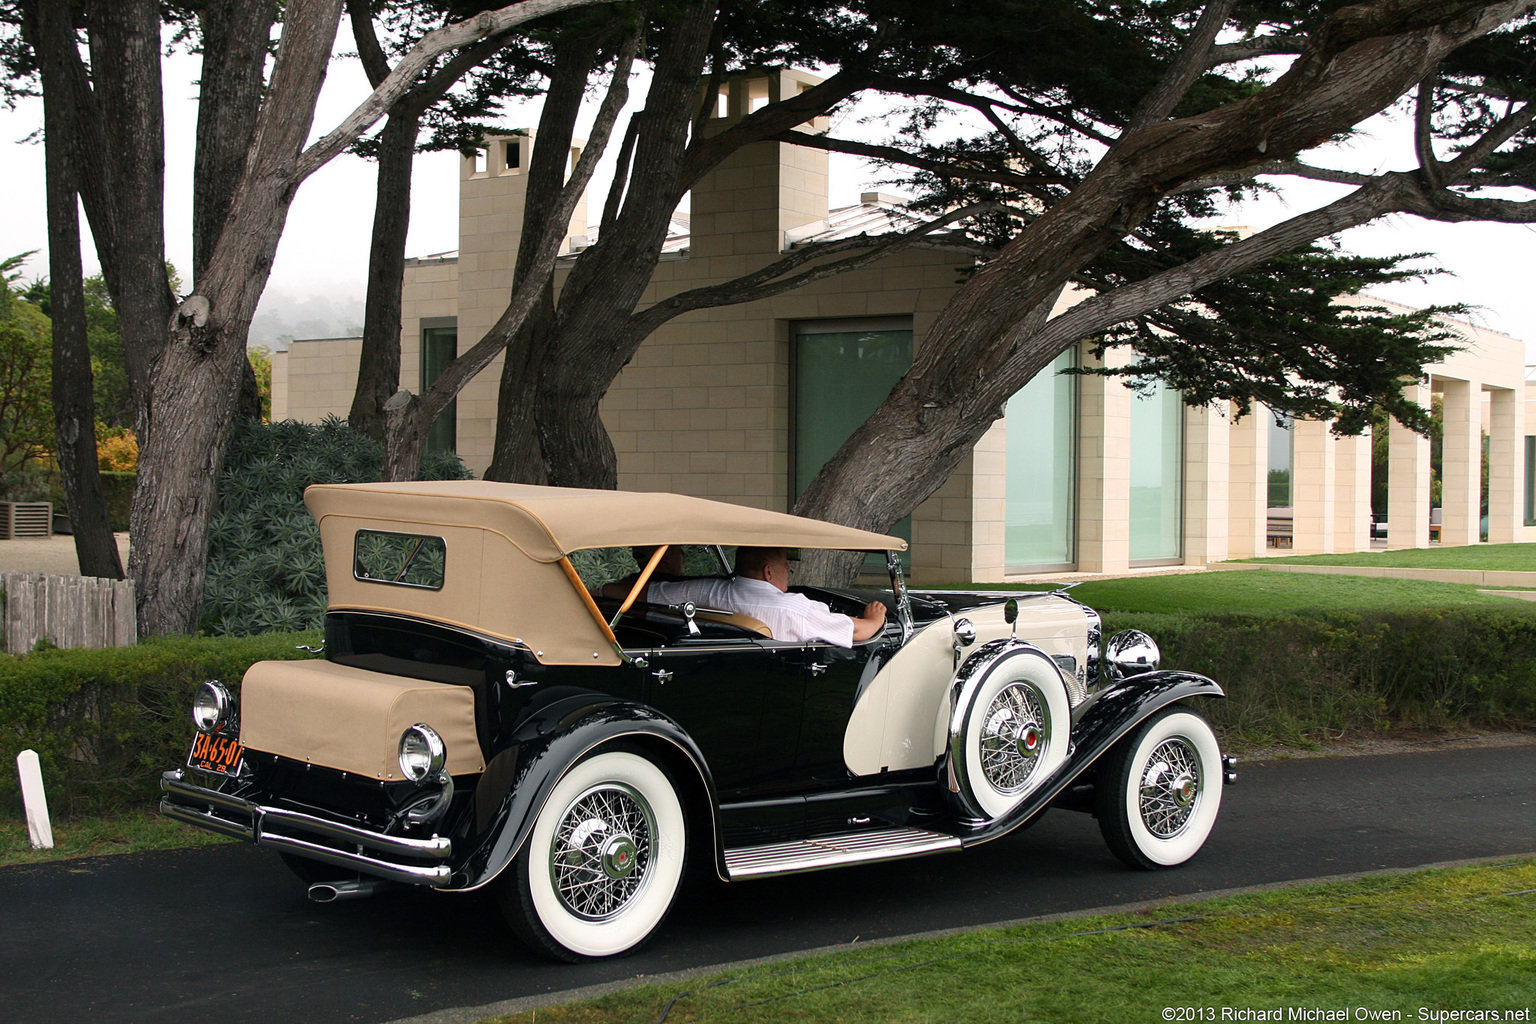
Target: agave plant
x=265, y=571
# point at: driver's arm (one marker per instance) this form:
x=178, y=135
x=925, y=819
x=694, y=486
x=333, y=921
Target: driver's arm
x=871, y=622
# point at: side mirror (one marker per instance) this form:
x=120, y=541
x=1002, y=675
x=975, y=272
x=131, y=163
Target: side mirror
x=1011, y=610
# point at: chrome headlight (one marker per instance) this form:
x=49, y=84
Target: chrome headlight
x=1131, y=652
x=212, y=707
x=422, y=753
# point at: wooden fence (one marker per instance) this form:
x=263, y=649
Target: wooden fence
x=70, y=611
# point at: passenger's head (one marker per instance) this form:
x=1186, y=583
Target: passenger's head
x=768, y=564
x=671, y=563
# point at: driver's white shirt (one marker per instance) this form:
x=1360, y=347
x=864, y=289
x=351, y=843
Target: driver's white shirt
x=792, y=617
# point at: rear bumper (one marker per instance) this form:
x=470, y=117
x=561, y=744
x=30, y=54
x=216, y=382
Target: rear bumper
x=396, y=858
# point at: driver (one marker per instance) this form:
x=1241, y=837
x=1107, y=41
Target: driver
x=760, y=588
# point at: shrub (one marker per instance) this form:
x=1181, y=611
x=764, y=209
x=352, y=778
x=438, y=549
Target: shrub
x=106, y=723
x=265, y=569
x=1298, y=678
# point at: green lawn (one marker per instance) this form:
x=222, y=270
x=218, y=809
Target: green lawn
x=1253, y=590
x=1503, y=557
x=131, y=831
x=1412, y=944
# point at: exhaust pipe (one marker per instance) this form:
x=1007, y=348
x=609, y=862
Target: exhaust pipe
x=330, y=892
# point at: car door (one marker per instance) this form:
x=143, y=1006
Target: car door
x=739, y=700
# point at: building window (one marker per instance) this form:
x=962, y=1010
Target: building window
x=843, y=370
x=1530, y=480
x=1042, y=471
x=1157, y=476
x=1281, y=448
x=439, y=347
x=513, y=155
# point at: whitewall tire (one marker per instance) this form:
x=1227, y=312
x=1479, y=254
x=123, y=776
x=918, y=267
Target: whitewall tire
x=1159, y=792
x=602, y=866
x=1014, y=732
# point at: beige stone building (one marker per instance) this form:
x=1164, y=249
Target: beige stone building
x=744, y=403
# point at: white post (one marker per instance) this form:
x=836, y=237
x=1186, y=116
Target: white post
x=35, y=801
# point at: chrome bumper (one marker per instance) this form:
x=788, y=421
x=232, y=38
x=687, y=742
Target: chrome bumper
x=306, y=835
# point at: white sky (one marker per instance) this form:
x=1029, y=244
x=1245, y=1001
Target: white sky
x=324, y=251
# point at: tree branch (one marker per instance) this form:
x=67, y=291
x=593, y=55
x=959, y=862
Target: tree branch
x=1186, y=68
x=891, y=154
x=449, y=37
x=761, y=284
x=1424, y=132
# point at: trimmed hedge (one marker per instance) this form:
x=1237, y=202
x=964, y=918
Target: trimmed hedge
x=1295, y=678
x=106, y=723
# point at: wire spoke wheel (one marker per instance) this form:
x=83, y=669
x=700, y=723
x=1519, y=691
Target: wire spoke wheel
x=600, y=868
x=600, y=857
x=1170, y=788
x=1159, y=790
x=1012, y=737
x=1010, y=732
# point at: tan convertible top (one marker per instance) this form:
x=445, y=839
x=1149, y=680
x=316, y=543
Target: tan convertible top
x=505, y=571
x=548, y=522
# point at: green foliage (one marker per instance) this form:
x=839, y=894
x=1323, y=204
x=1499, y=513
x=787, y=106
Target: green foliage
x=105, y=723
x=1299, y=678
x=26, y=372
x=261, y=364
x=109, y=370
x=266, y=572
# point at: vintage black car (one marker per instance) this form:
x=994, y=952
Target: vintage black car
x=482, y=719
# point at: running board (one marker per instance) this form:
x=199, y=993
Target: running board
x=834, y=851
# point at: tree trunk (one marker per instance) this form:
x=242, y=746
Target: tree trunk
x=516, y=453
x=125, y=71
x=197, y=379
x=378, y=373
x=73, y=404
x=405, y=437
x=581, y=359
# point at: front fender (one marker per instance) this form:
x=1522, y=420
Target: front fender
x=1096, y=726
x=545, y=746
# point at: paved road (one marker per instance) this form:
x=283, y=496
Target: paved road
x=225, y=934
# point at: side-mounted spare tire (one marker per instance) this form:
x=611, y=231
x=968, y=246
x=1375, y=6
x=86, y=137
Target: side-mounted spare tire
x=1011, y=728
x=1159, y=790
x=602, y=865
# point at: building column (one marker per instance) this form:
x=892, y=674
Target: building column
x=1461, y=464
x=1104, y=472
x=1313, y=467
x=1506, y=467
x=1207, y=484
x=1352, y=493
x=1248, y=483
x=1408, y=473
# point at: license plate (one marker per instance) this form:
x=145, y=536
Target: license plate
x=218, y=753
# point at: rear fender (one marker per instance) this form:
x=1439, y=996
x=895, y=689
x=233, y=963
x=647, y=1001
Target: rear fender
x=1097, y=725
x=547, y=743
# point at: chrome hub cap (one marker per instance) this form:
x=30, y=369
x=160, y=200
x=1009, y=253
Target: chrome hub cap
x=1170, y=788
x=600, y=855
x=1017, y=725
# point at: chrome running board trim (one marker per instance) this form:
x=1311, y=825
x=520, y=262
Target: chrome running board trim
x=832, y=851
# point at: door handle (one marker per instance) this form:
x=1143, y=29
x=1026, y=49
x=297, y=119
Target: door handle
x=818, y=667
x=662, y=676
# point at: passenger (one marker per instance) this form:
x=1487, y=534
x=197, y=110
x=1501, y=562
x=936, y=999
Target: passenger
x=760, y=588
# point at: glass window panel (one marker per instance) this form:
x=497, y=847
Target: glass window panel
x=843, y=371
x=1530, y=480
x=439, y=347
x=1040, y=511
x=1281, y=439
x=405, y=559
x=1157, y=472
